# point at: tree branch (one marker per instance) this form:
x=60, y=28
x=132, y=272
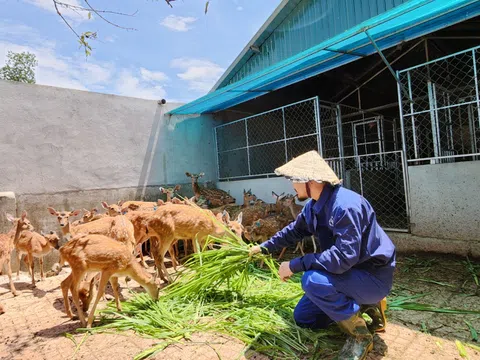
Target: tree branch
x=81, y=8
x=106, y=20
x=65, y=20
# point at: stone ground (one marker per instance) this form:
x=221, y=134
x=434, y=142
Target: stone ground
x=35, y=326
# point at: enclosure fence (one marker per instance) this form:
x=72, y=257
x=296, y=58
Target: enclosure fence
x=440, y=109
x=256, y=145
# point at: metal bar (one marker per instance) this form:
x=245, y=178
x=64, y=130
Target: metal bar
x=471, y=127
x=444, y=157
x=381, y=70
x=216, y=152
x=450, y=124
x=359, y=99
x=346, y=52
x=338, y=114
x=402, y=125
x=355, y=141
x=440, y=59
x=406, y=188
x=396, y=230
x=453, y=37
x=248, y=150
x=285, y=135
x=433, y=117
x=444, y=107
x=267, y=143
x=359, y=156
x=318, y=125
x=387, y=63
x=268, y=111
x=474, y=58
x=414, y=129
x=360, y=175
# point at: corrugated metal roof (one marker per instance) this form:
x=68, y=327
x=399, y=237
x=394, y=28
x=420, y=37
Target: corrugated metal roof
x=408, y=21
x=297, y=25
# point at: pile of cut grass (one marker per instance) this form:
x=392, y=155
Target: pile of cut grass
x=224, y=291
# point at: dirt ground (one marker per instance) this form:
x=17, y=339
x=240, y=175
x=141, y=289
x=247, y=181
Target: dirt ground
x=35, y=326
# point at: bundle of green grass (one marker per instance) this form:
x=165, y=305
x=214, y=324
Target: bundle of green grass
x=225, y=291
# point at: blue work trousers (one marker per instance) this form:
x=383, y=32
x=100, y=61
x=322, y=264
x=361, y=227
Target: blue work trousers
x=336, y=297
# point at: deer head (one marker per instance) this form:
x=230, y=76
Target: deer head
x=248, y=197
x=63, y=216
x=52, y=239
x=88, y=215
x=113, y=209
x=170, y=191
x=235, y=226
x=195, y=177
x=22, y=222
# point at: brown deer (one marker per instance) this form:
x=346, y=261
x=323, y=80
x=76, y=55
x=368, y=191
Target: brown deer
x=35, y=245
x=63, y=218
x=214, y=197
x=98, y=253
x=113, y=209
x=7, y=244
x=141, y=205
x=174, y=221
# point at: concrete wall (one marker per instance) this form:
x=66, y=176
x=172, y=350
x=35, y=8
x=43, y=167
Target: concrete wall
x=73, y=149
x=445, y=200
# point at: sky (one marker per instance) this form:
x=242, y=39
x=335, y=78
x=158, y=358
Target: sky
x=173, y=53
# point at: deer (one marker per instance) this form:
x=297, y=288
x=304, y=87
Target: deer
x=289, y=202
x=118, y=228
x=35, y=245
x=63, y=219
x=141, y=205
x=113, y=209
x=98, y=253
x=7, y=244
x=176, y=221
x=214, y=197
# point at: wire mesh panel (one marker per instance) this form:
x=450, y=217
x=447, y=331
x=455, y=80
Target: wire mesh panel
x=381, y=179
x=331, y=139
x=442, y=121
x=256, y=145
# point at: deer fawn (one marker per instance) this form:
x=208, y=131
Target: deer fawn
x=86, y=253
x=63, y=219
x=35, y=245
x=7, y=244
x=113, y=209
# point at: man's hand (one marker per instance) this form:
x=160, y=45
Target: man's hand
x=284, y=271
x=254, y=250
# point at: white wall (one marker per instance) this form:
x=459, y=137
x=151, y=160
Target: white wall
x=445, y=200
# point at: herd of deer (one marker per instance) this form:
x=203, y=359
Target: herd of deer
x=101, y=247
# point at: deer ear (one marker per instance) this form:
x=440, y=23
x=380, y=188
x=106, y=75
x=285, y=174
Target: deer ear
x=274, y=194
x=225, y=216
x=104, y=205
x=52, y=232
x=10, y=217
x=24, y=214
x=120, y=203
x=188, y=174
x=240, y=218
x=94, y=210
x=177, y=187
x=75, y=212
x=42, y=233
x=52, y=211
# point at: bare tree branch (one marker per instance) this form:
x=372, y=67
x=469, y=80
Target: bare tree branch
x=65, y=20
x=106, y=20
x=81, y=8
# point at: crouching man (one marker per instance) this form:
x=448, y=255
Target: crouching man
x=353, y=270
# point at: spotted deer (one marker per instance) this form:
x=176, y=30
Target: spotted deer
x=98, y=253
x=63, y=218
x=113, y=209
x=213, y=197
x=35, y=245
x=7, y=244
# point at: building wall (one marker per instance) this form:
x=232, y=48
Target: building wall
x=73, y=149
x=310, y=22
x=445, y=200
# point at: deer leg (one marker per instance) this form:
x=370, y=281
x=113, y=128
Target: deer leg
x=140, y=252
x=171, y=251
x=76, y=279
x=115, y=287
x=42, y=275
x=314, y=245
x=32, y=267
x=282, y=253
x=19, y=264
x=101, y=288
x=66, y=285
x=159, y=250
x=9, y=272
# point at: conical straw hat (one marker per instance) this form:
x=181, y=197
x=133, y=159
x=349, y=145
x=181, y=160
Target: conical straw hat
x=306, y=167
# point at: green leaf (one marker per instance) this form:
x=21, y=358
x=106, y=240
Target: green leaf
x=89, y=15
x=473, y=332
x=461, y=349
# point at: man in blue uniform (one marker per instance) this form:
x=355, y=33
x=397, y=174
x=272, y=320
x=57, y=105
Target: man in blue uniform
x=353, y=272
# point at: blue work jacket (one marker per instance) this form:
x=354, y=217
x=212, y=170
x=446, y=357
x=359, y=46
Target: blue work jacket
x=346, y=227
